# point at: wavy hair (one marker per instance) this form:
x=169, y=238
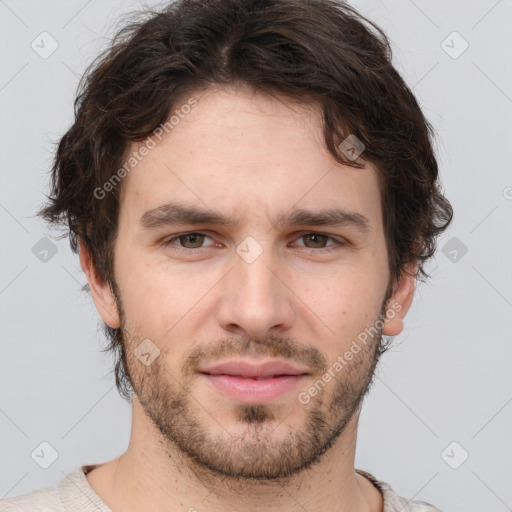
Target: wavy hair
x=320, y=51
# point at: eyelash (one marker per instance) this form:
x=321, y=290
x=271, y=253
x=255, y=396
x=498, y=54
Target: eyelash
x=337, y=243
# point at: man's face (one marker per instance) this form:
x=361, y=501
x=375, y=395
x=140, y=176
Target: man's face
x=257, y=289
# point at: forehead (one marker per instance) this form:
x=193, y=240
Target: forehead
x=245, y=153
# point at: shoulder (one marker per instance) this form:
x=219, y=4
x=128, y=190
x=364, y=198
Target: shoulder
x=72, y=494
x=41, y=500
x=395, y=503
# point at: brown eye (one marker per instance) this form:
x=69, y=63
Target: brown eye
x=320, y=242
x=186, y=241
x=195, y=239
x=317, y=240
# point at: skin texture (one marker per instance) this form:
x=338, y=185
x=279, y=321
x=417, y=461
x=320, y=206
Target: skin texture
x=253, y=157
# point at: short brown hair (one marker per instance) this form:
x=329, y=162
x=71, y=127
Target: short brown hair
x=319, y=51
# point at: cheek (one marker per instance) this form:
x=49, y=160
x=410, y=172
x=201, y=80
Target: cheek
x=146, y=292
x=157, y=295
x=348, y=302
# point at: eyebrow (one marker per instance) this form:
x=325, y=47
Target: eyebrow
x=177, y=213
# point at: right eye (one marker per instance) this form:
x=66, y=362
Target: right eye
x=193, y=238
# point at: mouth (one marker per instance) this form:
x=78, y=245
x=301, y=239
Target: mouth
x=254, y=369
x=254, y=390
x=248, y=382
x=253, y=378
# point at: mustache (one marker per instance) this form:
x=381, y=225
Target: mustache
x=269, y=346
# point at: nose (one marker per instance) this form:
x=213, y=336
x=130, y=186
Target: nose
x=255, y=299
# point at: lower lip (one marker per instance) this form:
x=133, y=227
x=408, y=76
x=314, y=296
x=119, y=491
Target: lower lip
x=254, y=391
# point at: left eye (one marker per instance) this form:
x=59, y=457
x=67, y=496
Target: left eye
x=191, y=241
x=318, y=238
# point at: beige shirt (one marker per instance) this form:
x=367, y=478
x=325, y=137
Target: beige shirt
x=75, y=494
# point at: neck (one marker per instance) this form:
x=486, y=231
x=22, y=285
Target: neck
x=154, y=475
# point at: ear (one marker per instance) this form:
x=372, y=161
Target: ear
x=101, y=292
x=400, y=301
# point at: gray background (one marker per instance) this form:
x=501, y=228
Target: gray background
x=448, y=378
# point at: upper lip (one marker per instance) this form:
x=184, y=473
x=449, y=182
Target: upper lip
x=245, y=368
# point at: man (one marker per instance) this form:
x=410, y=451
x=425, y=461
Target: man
x=253, y=193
